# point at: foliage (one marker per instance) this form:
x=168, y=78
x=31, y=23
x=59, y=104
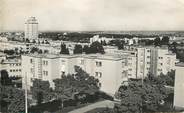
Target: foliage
x=78, y=49
x=165, y=40
x=9, y=52
x=146, y=96
x=80, y=82
x=162, y=79
x=86, y=49
x=157, y=41
x=41, y=91
x=96, y=47
x=64, y=49
x=5, y=79
x=119, y=43
x=14, y=98
x=34, y=49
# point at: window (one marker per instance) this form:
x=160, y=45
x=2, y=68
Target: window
x=98, y=64
x=159, y=69
x=160, y=57
x=32, y=70
x=81, y=62
x=124, y=74
x=123, y=64
x=10, y=70
x=161, y=64
x=45, y=62
x=62, y=72
x=148, y=62
x=31, y=61
x=63, y=61
x=129, y=58
x=98, y=74
x=20, y=70
x=148, y=50
x=45, y=73
x=148, y=56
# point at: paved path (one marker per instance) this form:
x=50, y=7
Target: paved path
x=105, y=103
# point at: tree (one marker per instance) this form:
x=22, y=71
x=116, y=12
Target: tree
x=34, y=41
x=64, y=50
x=14, y=98
x=5, y=80
x=9, y=52
x=34, y=49
x=86, y=49
x=165, y=40
x=80, y=82
x=138, y=96
x=41, y=91
x=27, y=40
x=96, y=47
x=77, y=49
x=157, y=41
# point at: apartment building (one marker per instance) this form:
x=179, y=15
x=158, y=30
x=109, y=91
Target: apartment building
x=113, y=68
x=155, y=61
x=12, y=66
x=46, y=67
x=108, y=69
x=179, y=86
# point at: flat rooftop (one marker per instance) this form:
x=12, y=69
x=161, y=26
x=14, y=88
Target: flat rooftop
x=180, y=64
x=7, y=61
x=90, y=56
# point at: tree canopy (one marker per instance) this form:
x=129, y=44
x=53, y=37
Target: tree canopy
x=142, y=96
x=64, y=49
x=69, y=85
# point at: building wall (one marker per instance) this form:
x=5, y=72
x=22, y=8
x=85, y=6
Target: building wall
x=179, y=87
x=155, y=61
x=13, y=67
x=40, y=68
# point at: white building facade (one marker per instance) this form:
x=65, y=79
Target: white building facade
x=179, y=86
x=12, y=66
x=108, y=69
x=155, y=61
x=31, y=29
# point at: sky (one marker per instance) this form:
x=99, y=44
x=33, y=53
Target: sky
x=93, y=15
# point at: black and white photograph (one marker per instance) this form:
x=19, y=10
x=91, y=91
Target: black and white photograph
x=91, y=56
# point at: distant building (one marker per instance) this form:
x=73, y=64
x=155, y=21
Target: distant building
x=12, y=66
x=31, y=29
x=100, y=39
x=179, y=86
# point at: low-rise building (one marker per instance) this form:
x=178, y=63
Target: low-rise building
x=12, y=66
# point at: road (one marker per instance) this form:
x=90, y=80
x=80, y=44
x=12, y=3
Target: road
x=105, y=103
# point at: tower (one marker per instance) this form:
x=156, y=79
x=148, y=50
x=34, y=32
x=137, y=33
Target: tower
x=31, y=29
